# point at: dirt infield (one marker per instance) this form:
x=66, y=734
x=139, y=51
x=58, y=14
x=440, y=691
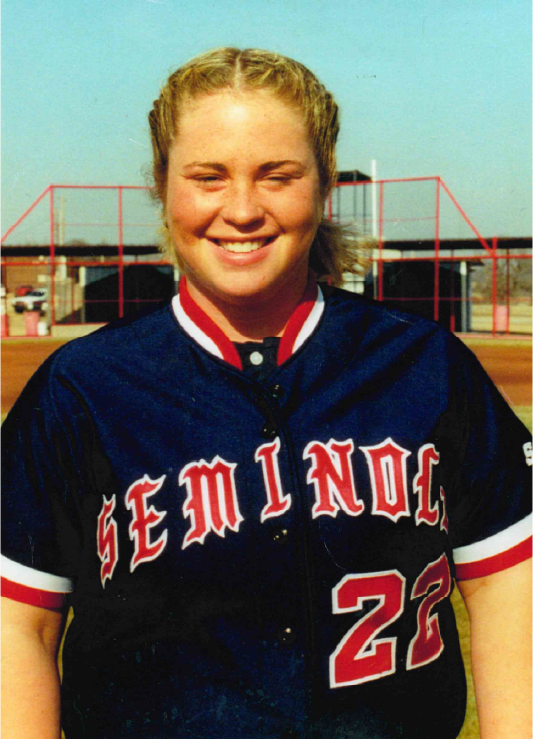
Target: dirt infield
x=20, y=359
x=509, y=365
x=507, y=362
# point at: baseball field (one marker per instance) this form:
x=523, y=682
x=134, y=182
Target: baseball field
x=508, y=362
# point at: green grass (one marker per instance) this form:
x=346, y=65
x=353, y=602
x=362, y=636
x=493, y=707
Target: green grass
x=489, y=341
x=524, y=413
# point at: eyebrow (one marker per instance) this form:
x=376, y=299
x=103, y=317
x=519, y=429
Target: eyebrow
x=207, y=165
x=266, y=167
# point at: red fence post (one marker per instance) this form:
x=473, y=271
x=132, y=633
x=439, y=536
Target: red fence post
x=494, y=282
x=508, y=316
x=4, y=319
x=72, y=272
x=452, y=292
x=120, y=257
x=52, y=261
x=436, y=291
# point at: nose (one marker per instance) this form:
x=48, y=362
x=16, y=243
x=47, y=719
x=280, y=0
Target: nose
x=242, y=207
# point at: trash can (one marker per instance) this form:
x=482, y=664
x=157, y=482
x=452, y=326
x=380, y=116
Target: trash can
x=4, y=319
x=501, y=317
x=31, y=320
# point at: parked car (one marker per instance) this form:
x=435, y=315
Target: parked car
x=32, y=300
x=23, y=290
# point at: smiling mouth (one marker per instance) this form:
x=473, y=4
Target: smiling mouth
x=243, y=247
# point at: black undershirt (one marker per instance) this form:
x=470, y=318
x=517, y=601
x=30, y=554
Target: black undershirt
x=259, y=358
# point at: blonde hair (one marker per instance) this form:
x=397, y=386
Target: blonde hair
x=334, y=250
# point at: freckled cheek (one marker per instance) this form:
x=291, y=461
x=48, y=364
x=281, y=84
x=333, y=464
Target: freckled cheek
x=305, y=209
x=303, y=218
x=188, y=216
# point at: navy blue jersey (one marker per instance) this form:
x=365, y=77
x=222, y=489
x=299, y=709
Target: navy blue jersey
x=254, y=559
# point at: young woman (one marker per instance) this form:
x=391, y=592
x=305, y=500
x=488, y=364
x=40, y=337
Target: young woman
x=257, y=498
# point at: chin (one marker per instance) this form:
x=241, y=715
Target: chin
x=247, y=291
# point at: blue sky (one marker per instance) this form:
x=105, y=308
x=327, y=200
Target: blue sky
x=425, y=88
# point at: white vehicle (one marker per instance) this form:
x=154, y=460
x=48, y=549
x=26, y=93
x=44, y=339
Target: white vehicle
x=33, y=300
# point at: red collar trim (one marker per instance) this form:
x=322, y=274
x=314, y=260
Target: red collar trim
x=206, y=332
x=297, y=321
x=207, y=326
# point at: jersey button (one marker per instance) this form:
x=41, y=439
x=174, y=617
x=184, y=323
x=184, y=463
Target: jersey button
x=269, y=432
x=286, y=636
x=256, y=358
x=277, y=392
x=280, y=536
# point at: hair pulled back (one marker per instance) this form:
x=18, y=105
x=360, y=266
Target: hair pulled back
x=334, y=250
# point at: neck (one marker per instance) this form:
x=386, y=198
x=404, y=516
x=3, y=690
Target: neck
x=250, y=319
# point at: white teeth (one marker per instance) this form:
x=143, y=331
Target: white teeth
x=242, y=248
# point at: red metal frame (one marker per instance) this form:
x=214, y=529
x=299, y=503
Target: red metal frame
x=52, y=260
x=494, y=282
x=508, y=293
x=120, y=256
x=23, y=216
x=437, y=258
x=437, y=250
x=491, y=251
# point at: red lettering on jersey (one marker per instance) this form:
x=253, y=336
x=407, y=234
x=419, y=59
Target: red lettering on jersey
x=426, y=513
x=444, y=519
x=427, y=644
x=332, y=476
x=107, y=540
x=278, y=503
x=360, y=656
x=211, y=502
x=388, y=475
x=143, y=520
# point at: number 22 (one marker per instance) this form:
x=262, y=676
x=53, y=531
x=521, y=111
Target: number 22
x=360, y=656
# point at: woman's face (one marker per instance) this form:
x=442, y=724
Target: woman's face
x=243, y=196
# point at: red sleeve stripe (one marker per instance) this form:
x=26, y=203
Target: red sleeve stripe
x=31, y=596
x=471, y=570
x=498, y=543
x=31, y=578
